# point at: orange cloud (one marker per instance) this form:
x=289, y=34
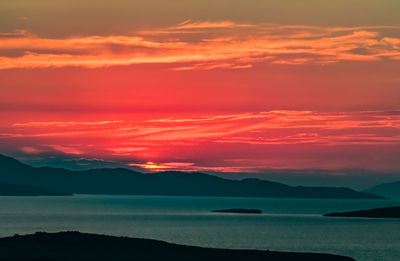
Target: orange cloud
x=205, y=46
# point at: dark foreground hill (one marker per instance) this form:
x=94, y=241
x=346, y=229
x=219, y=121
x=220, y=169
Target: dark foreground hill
x=390, y=190
x=124, y=181
x=390, y=212
x=26, y=190
x=75, y=246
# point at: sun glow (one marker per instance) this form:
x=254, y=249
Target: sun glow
x=153, y=166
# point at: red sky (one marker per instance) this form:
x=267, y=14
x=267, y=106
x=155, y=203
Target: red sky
x=216, y=87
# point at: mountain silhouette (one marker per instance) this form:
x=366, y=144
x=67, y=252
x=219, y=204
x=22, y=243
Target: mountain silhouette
x=390, y=190
x=75, y=246
x=389, y=212
x=173, y=183
x=27, y=190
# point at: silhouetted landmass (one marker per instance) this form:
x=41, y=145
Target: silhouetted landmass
x=172, y=183
x=390, y=190
x=26, y=190
x=389, y=212
x=75, y=246
x=239, y=211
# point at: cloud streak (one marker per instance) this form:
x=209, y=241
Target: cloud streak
x=205, y=46
x=214, y=142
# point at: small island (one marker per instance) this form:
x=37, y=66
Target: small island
x=238, y=211
x=76, y=246
x=389, y=212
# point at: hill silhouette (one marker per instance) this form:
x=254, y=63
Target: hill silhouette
x=389, y=212
x=390, y=190
x=125, y=181
x=26, y=190
x=75, y=246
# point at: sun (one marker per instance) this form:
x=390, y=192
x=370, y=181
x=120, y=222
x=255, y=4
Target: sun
x=152, y=165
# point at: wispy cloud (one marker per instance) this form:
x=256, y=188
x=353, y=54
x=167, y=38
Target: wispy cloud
x=212, y=142
x=205, y=46
x=207, y=25
x=199, y=127
x=64, y=123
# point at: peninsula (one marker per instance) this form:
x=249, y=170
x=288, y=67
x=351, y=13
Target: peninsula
x=75, y=246
x=389, y=212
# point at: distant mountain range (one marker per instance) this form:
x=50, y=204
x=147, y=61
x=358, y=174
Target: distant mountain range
x=124, y=181
x=390, y=190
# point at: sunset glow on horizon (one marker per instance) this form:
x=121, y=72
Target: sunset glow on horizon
x=246, y=142
x=228, y=91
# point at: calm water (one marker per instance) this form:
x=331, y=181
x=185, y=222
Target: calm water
x=287, y=225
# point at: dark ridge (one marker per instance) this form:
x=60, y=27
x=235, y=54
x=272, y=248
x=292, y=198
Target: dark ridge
x=26, y=190
x=75, y=246
x=173, y=183
x=239, y=211
x=389, y=212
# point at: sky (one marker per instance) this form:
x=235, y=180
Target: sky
x=199, y=85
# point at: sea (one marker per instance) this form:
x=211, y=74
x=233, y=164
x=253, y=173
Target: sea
x=296, y=225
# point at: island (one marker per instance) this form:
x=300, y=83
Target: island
x=76, y=246
x=239, y=211
x=389, y=212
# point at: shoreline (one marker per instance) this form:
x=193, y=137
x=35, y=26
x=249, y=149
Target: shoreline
x=76, y=246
